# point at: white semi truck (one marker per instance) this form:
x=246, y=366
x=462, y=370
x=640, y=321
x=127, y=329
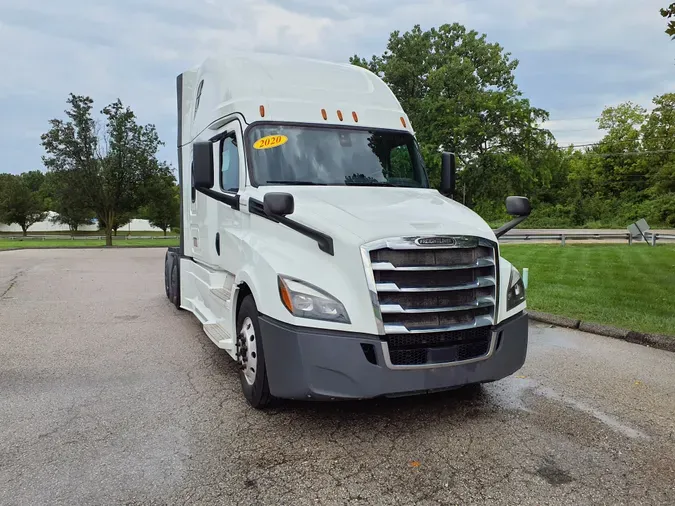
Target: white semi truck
x=313, y=249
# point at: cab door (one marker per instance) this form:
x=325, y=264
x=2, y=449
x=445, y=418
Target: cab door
x=230, y=181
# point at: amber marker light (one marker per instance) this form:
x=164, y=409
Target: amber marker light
x=285, y=295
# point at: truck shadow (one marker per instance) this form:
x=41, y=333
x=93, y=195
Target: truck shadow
x=469, y=401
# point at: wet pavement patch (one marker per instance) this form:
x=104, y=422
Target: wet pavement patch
x=553, y=474
x=127, y=317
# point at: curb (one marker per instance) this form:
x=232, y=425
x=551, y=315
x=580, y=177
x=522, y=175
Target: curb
x=657, y=341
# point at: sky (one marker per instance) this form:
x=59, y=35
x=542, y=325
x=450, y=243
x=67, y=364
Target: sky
x=576, y=56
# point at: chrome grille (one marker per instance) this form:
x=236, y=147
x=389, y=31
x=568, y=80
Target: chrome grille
x=437, y=303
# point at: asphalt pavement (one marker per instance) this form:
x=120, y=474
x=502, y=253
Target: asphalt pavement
x=109, y=395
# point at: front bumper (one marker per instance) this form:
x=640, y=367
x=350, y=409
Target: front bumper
x=305, y=363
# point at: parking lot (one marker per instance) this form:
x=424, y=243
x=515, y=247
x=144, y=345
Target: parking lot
x=109, y=395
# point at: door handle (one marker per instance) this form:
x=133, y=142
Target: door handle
x=218, y=243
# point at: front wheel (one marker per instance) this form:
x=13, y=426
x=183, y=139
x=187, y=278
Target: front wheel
x=251, y=356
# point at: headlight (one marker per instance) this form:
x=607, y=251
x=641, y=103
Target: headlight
x=516, y=293
x=308, y=301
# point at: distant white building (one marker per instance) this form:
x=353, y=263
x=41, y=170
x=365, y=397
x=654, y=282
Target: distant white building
x=47, y=226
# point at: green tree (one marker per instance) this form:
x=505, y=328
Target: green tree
x=630, y=173
x=19, y=203
x=121, y=220
x=109, y=170
x=619, y=172
x=34, y=179
x=460, y=94
x=658, y=134
x=658, y=138
x=669, y=13
x=163, y=208
x=71, y=207
x=6, y=181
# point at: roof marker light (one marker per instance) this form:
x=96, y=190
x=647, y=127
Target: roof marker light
x=262, y=111
x=339, y=113
x=324, y=114
x=403, y=122
x=355, y=116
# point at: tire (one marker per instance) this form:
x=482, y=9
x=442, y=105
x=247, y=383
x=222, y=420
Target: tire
x=175, y=284
x=253, y=380
x=168, y=261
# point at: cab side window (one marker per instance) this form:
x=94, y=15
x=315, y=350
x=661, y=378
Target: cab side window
x=229, y=164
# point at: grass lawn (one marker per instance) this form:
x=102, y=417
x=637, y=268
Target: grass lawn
x=79, y=243
x=628, y=287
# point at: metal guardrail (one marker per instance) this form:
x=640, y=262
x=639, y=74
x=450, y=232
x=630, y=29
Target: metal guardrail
x=83, y=237
x=562, y=238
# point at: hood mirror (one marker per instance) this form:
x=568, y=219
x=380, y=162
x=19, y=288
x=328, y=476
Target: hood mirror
x=448, y=174
x=518, y=206
x=278, y=204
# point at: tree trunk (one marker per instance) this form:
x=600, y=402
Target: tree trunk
x=164, y=232
x=110, y=219
x=25, y=230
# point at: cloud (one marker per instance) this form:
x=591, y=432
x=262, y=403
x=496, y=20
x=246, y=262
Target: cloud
x=576, y=56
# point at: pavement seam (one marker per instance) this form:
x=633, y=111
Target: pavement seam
x=12, y=283
x=658, y=341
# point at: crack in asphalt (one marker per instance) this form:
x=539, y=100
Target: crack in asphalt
x=12, y=283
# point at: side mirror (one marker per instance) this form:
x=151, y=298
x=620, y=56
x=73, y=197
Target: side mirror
x=202, y=159
x=448, y=174
x=278, y=204
x=518, y=206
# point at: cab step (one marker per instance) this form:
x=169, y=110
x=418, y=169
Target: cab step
x=219, y=335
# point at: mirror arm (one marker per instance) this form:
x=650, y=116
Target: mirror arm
x=510, y=225
x=324, y=241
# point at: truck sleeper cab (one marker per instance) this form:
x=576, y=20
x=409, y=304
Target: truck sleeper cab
x=313, y=249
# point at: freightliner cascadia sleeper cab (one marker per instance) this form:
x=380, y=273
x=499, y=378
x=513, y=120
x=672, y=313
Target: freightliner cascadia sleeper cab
x=313, y=249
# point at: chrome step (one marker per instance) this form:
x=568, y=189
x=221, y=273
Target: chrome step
x=218, y=334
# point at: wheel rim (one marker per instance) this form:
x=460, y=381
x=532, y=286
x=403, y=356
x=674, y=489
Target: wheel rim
x=248, y=350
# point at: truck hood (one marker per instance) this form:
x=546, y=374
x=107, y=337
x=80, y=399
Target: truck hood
x=367, y=214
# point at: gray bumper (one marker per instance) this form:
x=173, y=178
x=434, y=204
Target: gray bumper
x=305, y=363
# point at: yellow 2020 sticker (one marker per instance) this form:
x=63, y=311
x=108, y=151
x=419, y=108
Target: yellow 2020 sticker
x=271, y=141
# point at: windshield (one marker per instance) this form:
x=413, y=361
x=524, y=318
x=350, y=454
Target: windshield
x=308, y=155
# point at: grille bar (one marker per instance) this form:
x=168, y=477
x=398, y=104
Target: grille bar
x=395, y=328
x=398, y=309
x=388, y=266
x=478, y=283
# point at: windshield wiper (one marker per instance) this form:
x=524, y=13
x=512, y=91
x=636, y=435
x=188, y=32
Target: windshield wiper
x=369, y=183
x=300, y=183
